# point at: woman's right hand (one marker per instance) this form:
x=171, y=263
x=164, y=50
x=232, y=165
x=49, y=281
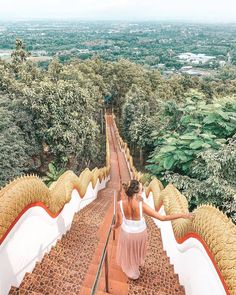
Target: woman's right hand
x=189, y=216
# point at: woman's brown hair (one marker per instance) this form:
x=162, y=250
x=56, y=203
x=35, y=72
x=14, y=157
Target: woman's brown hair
x=132, y=187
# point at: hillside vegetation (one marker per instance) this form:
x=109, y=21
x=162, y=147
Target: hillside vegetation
x=179, y=128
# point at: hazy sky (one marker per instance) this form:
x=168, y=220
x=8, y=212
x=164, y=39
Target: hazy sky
x=202, y=10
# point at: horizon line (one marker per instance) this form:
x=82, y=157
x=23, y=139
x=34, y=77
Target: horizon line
x=139, y=20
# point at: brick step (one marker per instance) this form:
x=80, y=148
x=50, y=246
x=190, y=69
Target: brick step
x=100, y=248
x=92, y=207
x=80, y=235
x=115, y=287
x=96, y=259
x=113, y=264
x=162, y=263
x=18, y=291
x=154, y=279
x=165, y=268
x=114, y=273
x=88, y=222
x=87, y=291
x=134, y=290
x=85, y=219
x=67, y=262
x=87, y=208
x=75, y=254
x=72, y=244
x=53, y=269
x=157, y=260
x=48, y=285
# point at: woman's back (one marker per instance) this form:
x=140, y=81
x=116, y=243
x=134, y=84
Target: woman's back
x=132, y=216
x=131, y=209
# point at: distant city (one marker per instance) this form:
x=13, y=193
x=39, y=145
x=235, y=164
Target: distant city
x=195, y=49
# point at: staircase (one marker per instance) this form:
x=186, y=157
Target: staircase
x=71, y=265
x=63, y=270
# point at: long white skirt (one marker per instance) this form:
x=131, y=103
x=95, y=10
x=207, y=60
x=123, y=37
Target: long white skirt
x=131, y=252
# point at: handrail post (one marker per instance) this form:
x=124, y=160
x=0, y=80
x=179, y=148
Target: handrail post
x=114, y=231
x=106, y=274
x=114, y=235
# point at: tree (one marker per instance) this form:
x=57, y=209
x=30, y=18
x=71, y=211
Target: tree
x=57, y=111
x=191, y=127
x=120, y=76
x=13, y=149
x=137, y=123
x=54, y=70
x=211, y=179
x=19, y=56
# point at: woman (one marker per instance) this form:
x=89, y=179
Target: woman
x=132, y=243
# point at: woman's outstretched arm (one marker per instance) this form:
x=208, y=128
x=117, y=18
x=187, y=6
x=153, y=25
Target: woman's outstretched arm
x=150, y=212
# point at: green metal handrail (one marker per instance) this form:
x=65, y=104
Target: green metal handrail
x=104, y=256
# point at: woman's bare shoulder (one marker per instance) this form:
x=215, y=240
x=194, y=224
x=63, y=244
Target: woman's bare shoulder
x=139, y=199
x=126, y=203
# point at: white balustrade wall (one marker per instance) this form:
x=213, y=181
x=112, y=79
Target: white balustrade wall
x=190, y=259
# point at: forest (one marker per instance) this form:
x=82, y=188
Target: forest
x=153, y=44
x=179, y=128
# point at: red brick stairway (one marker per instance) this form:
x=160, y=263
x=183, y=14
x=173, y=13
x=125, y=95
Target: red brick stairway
x=63, y=270
x=71, y=266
